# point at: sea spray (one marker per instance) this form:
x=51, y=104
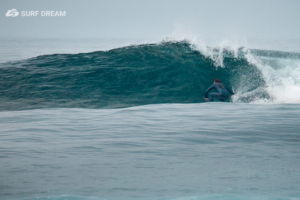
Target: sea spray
x=166, y=72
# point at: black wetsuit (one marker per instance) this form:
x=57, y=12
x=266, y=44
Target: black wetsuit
x=222, y=94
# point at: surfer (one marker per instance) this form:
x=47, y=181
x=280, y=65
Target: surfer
x=222, y=94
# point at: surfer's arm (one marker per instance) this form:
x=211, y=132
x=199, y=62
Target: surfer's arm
x=229, y=90
x=209, y=89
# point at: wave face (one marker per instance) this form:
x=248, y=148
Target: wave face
x=167, y=72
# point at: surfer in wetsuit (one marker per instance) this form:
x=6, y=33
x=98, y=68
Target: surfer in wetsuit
x=222, y=94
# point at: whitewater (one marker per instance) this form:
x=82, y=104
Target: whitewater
x=126, y=119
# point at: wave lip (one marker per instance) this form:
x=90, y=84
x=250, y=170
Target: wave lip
x=166, y=72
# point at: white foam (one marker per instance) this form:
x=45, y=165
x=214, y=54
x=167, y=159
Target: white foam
x=213, y=49
x=282, y=75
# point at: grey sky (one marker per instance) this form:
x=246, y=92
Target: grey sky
x=261, y=19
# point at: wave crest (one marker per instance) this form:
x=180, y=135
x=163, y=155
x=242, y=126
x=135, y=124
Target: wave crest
x=167, y=72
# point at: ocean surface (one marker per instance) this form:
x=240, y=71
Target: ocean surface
x=96, y=119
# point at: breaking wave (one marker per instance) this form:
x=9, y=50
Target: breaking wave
x=165, y=72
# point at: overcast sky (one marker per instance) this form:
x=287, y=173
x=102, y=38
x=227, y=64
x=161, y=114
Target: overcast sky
x=260, y=19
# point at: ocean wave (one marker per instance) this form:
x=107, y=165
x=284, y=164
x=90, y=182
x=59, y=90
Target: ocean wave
x=165, y=72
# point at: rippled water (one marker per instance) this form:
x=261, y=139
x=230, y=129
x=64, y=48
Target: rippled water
x=148, y=134
x=160, y=151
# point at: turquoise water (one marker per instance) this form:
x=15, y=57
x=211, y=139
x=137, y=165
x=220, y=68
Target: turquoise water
x=131, y=123
x=153, y=151
x=166, y=72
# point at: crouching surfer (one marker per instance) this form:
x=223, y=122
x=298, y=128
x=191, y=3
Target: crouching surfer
x=222, y=91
